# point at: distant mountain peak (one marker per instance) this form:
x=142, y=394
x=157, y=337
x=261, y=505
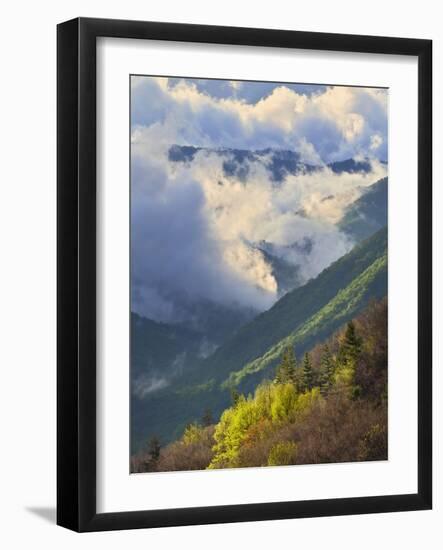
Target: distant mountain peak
x=279, y=162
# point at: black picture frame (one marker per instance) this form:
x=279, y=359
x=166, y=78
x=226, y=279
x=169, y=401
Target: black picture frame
x=76, y=267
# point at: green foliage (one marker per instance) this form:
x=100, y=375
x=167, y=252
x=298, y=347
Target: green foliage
x=347, y=360
x=193, y=434
x=286, y=370
x=351, y=346
x=230, y=432
x=344, y=375
x=293, y=310
x=327, y=370
x=308, y=376
x=306, y=400
x=344, y=419
x=283, y=402
x=347, y=302
x=275, y=403
x=282, y=454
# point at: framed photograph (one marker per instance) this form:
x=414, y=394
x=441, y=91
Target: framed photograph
x=244, y=274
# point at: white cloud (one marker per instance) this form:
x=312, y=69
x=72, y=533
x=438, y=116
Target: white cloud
x=196, y=230
x=338, y=123
x=376, y=142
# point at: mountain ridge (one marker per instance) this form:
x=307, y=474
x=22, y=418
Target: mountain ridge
x=334, y=311
x=279, y=162
x=368, y=213
x=289, y=310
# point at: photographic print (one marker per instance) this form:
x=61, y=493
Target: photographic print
x=258, y=322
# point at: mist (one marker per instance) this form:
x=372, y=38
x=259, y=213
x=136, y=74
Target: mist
x=198, y=232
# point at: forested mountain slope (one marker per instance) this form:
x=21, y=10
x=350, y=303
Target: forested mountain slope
x=368, y=213
x=331, y=406
x=293, y=309
x=302, y=318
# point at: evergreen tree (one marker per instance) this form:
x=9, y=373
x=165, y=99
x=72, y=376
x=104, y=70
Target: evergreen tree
x=153, y=453
x=327, y=370
x=286, y=370
x=351, y=346
x=349, y=352
x=279, y=379
x=308, y=376
x=235, y=396
x=207, y=418
x=290, y=363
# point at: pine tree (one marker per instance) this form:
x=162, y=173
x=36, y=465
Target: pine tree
x=308, y=377
x=286, y=370
x=327, y=370
x=351, y=346
x=153, y=453
x=290, y=362
x=235, y=396
x=347, y=360
x=278, y=375
x=207, y=418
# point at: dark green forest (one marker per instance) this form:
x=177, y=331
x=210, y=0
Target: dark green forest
x=327, y=404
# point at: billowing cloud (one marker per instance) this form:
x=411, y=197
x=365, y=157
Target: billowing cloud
x=178, y=257
x=249, y=92
x=199, y=231
x=333, y=123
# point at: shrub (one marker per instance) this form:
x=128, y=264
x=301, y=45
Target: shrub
x=283, y=454
x=333, y=431
x=193, y=434
x=192, y=452
x=374, y=443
